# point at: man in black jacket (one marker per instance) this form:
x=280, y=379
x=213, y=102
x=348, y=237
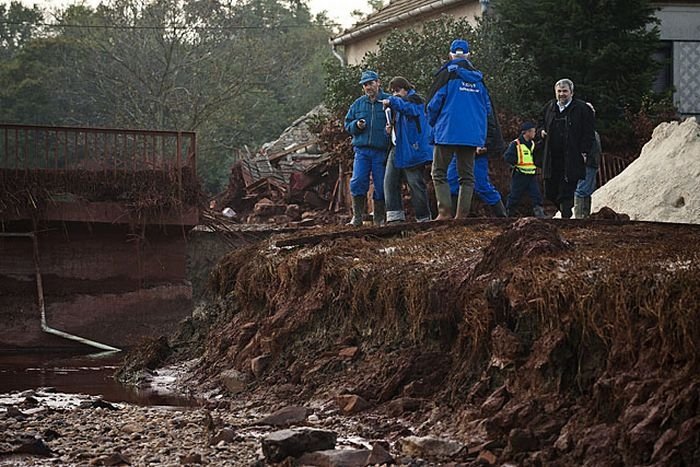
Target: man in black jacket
x=567, y=126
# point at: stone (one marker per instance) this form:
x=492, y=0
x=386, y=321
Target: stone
x=259, y=364
x=279, y=445
x=116, y=458
x=14, y=412
x=131, y=428
x=33, y=446
x=234, y=381
x=429, y=447
x=285, y=417
x=486, y=457
x=226, y=435
x=100, y=404
x=191, y=459
x=351, y=403
x=293, y=211
x=399, y=406
x=520, y=440
x=495, y=401
x=380, y=456
x=337, y=458
x=349, y=353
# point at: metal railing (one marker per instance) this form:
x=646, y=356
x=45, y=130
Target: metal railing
x=95, y=149
x=610, y=167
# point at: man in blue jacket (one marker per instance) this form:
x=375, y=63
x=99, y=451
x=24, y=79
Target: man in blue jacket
x=366, y=122
x=458, y=106
x=411, y=150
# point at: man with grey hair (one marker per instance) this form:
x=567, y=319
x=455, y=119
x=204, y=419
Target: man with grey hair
x=567, y=126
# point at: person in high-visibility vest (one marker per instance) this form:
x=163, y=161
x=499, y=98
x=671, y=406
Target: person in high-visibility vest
x=520, y=155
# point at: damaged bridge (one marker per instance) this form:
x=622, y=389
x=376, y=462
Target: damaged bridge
x=93, y=229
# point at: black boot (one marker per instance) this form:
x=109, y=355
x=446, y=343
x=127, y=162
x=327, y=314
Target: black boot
x=358, y=210
x=566, y=208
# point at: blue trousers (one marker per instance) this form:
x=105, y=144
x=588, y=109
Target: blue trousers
x=392, y=191
x=368, y=160
x=519, y=184
x=483, y=188
x=586, y=186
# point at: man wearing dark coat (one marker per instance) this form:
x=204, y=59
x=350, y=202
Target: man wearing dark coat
x=567, y=126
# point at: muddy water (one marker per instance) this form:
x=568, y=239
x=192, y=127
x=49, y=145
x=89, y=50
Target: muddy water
x=76, y=374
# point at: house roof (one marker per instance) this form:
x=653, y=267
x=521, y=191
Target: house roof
x=397, y=11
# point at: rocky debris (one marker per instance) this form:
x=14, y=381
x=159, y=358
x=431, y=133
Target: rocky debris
x=661, y=184
x=347, y=457
x=288, y=177
x=351, y=403
x=33, y=446
x=285, y=417
x=234, y=381
x=279, y=445
x=116, y=458
x=430, y=447
x=259, y=364
x=226, y=435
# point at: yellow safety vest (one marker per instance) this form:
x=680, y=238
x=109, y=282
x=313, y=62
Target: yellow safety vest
x=526, y=163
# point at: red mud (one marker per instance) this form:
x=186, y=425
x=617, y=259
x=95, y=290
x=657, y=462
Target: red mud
x=537, y=342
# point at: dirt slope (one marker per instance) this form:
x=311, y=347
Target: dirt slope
x=545, y=342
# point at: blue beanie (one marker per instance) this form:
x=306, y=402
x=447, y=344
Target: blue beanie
x=459, y=44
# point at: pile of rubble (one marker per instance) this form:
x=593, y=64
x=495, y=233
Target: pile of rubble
x=293, y=180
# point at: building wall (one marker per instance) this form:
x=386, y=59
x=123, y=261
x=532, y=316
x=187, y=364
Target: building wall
x=680, y=26
x=356, y=50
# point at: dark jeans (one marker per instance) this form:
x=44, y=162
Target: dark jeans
x=393, y=177
x=519, y=185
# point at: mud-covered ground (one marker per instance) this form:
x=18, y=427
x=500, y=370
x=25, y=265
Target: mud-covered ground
x=481, y=342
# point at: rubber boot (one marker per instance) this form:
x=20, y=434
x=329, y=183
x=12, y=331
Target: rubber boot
x=379, y=214
x=586, y=207
x=444, y=201
x=538, y=211
x=464, y=203
x=579, y=207
x=358, y=210
x=565, y=208
x=499, y=210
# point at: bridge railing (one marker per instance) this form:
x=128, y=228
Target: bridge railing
x=95, y=149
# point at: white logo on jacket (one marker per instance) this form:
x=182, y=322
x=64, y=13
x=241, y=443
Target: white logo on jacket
x=468, y=87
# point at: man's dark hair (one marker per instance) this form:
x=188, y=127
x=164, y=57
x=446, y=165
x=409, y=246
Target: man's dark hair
x=399, y=82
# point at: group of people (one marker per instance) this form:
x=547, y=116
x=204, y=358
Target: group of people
x=395, y=134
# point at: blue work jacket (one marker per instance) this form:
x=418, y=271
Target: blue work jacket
x=458, y=105
x=374, y=134
x=412, y=131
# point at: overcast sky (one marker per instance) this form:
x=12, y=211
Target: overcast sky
x=338, y=10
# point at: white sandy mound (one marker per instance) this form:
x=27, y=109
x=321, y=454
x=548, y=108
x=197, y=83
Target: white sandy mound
x=663, y=184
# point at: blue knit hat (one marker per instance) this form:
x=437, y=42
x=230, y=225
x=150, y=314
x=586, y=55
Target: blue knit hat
x=368, y=75
x=459, y=44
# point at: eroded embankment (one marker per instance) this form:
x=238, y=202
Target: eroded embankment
x=545, y=342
